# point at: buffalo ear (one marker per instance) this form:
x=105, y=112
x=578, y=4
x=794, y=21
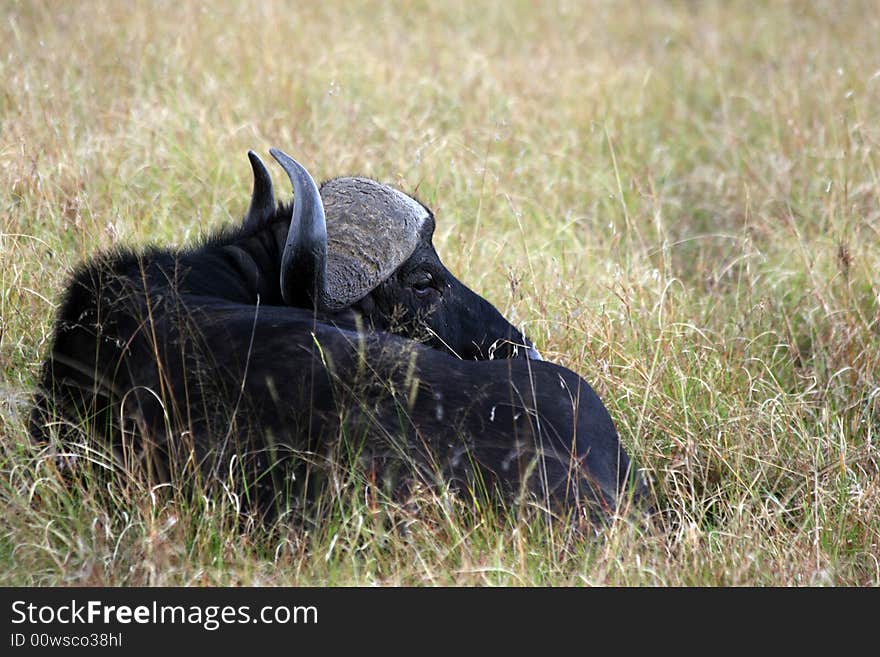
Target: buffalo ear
x=263, y=198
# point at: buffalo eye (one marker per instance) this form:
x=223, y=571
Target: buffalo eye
x=423, y=285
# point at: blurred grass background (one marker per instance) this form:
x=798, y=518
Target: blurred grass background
x=678, y=200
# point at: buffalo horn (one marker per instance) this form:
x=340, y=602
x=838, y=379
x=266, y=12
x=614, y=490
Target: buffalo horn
x=263, y=198
x=304, y=260
x=345, y=239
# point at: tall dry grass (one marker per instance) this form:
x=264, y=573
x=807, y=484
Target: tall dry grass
x=679, y=201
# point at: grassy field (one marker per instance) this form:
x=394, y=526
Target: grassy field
x=679, y=201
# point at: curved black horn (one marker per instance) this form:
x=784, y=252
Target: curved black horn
x=263, y=198
x=304, y=261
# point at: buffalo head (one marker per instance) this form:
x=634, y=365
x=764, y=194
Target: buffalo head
x=356, y=245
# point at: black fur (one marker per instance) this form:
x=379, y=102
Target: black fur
x=182, y=360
